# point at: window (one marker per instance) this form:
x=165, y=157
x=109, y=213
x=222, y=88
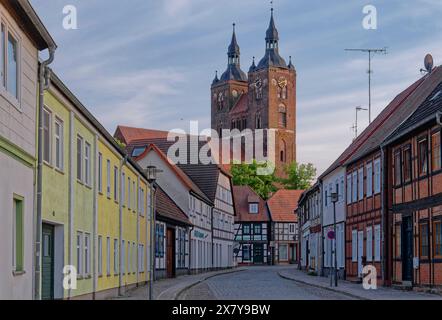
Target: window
x=129, y=198
x=369, y=243
x=437, y=238
x=361, y=183
x=3, y=54
x=116, y=263
x=79, y=253
x=407, y=164
x=325, y=198
x=59, y=161
x=123, y=189
x=377, y=243
x=246, y=254
x=283, y=119
x=108, y=251
x=435, y=151
x=341, y=190
x=142, y=202
x=398, y=245
x=423, y=157
x=108, y=178
x=423, y=235
x=87, y=164
x=258, y=229
x=159, y=241
x=79, y=158
x=354, y=246
x=134, y=197
x=253, y=208
x=100, y=255
x=246, y=229
x=369, y=179
x=138, y=151
x=349, y=189
x=12, y=63
x=115, y=183
x=355, y=186
x=283, y=252
x=398, y=168
x=18, y=236
x=123, y=256
x=100, y=173
x=47, y=119
x=87, y=254
x=377, y=176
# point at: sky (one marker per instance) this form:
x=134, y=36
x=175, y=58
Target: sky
x=150, y=63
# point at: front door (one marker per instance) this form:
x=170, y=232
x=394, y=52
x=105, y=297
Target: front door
x=407, y=249
x=170, y=261
x=258, y=253
x=47, y=272
x=360, y=251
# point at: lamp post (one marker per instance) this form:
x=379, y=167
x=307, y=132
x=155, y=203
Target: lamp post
x=151, y=174
x=334, y=199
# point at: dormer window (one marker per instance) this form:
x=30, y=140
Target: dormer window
x=253, y=208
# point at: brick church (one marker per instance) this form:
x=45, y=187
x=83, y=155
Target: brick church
x=265, y=98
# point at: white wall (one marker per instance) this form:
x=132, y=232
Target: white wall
x=329, y=183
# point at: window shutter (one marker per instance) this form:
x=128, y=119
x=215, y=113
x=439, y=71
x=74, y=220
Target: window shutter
x=354, y=245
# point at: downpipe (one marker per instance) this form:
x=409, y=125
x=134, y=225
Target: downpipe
x=44, y=82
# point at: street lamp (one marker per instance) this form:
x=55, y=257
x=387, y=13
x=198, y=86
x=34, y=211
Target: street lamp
x=151, y=174
x=334, y=199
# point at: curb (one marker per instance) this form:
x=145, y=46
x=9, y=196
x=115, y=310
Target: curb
x=180, y=292
x=323, y=287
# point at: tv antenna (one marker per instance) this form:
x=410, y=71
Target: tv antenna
x=370, y=52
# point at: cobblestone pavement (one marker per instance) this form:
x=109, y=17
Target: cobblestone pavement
x=257, y=283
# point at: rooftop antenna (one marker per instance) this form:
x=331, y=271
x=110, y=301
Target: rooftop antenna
x=428, y=63
x=358, y=109
x=370, y=52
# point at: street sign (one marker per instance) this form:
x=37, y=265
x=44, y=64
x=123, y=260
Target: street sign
x=331, y=235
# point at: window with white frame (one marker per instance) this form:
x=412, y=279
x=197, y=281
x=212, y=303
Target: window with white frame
x=116, y=262
x=9, y=51
x=369, y=243
x=129, y=198
x=80, y=253
x=134, y=257
x=108, y=178
x=123, y=255
x=253, y=208
x=87, y=164
x=115, y=183
x=377, y=243
x=349, y=189
x=369, y=179
x=354, y=246
x=100, y=255
x=87, y=254
x=59, y=142
x=79, y=158
x=100, y=172
x=47, y=131
x=355, y=186
x=108, y=253
x=134, y=197
x=361, y=183
x=123, y=189
x=341, y=190
x=377, y=176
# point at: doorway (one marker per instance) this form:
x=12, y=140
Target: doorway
x=170, y=255
x=407, y=249
x=47, y=264
x=258, y=253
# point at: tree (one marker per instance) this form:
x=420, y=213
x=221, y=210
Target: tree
x=299, y=176
x=246, y=175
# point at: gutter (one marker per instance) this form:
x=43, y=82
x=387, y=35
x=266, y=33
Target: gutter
x=44, y=82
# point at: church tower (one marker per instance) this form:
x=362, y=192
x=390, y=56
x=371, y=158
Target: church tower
x=272, y=98
x=227, y=90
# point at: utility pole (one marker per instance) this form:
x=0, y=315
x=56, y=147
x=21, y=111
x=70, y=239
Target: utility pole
x=370, y=52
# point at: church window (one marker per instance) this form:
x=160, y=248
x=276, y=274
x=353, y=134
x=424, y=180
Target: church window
x=282, y=116
x=282, y=151
x=258, y=121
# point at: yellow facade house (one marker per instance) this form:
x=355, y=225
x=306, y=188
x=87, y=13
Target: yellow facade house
x=95, y=209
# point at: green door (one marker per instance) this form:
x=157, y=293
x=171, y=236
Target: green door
x=47, y=281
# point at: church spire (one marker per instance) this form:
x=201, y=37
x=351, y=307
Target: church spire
x=272, y=36
x=233, y=71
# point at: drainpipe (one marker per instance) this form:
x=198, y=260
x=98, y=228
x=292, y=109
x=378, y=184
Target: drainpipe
x=211, y=227
x=120, y=280
x=44, y=81
x=190, y=249
x=383, y=225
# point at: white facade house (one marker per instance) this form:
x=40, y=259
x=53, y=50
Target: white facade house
x=22, y=37
x=334, y=182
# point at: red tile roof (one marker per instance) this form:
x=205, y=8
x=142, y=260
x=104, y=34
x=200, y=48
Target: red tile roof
x=282, y=205
x=130, y=134
x=167, y=208
x=241, y=106
x=242, y=195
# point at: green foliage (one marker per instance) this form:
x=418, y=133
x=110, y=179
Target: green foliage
x=246, y=175
x=299, y=176
x=120, y=144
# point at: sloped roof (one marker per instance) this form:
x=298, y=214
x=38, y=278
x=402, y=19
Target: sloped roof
x=242, y=196
x=240, y=106
x=424, y=114
x=129, y=134
x=167, y=208
x=282, y=205
x=389, y=118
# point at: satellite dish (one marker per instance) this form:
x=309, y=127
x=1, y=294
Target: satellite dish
x=429, y=63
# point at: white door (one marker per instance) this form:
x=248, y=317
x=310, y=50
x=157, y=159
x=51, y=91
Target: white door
x=360, y=251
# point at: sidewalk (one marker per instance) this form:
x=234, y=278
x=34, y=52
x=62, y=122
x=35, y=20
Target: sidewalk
x=170, y=289
x=353, y=290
